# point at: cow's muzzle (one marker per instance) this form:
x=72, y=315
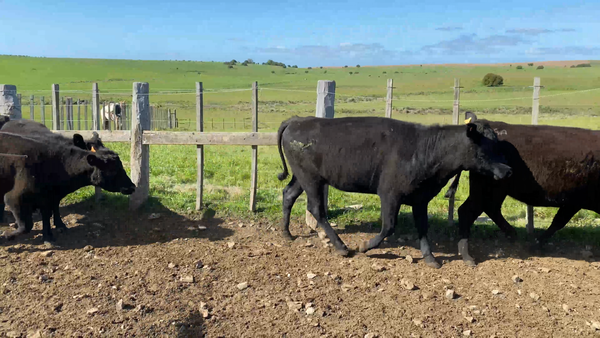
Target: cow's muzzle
x=501, y=171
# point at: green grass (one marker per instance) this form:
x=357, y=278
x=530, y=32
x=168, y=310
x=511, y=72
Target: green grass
x=422, y=95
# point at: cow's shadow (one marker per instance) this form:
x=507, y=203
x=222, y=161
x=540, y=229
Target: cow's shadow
x=487, y=241
x=110, y=223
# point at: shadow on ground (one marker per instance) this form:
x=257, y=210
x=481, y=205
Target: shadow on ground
x=110, y=223
x=487, y=241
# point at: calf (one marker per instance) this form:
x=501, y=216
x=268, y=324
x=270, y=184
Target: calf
x=552, y=167
x=38, y=131
x=36, y=175
x=403, y=163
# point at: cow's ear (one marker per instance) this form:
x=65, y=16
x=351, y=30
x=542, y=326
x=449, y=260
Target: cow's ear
x=78, y=141
x=470, y=117
x=473, y=133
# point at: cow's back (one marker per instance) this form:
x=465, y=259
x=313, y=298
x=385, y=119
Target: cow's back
x=565, y=162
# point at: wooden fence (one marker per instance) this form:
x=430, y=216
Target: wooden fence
x=140, y=136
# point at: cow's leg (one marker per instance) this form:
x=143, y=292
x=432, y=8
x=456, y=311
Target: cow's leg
x=389, y=218
x=46, y=230
x=290, y=194
x=316, y=206
x=563, y=216
x=420, y=217
x=495, y=213
x=58, y=223
x=467, y=214
x=22, y=215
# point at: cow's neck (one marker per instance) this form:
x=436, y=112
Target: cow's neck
x=441, y=153
x=78, y=169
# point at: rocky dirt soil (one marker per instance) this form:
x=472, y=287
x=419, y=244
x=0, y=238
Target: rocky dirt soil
x=168, y=276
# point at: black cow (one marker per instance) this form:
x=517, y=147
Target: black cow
x=552, y=167
x=40, y=132
x=403, y=163
x=37, y=174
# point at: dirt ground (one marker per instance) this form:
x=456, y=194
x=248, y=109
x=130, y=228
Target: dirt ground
x=131, y=276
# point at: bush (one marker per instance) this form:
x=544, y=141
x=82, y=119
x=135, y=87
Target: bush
x=350, y=73
x=325, y=72
x=345, y=66
x=275, y=63
x=249, y=62
x=540, y=67
x=355, y=73
x=309, y=67
x=519, y=67
x=230, y=66
x=357, y=66
x=583, y=65
x=321, y=67
x=272, y=72
x=245, y=64
x=384, y=73
x=306, y=71
x=530, y=64
x=295, y=66
x=492, y=80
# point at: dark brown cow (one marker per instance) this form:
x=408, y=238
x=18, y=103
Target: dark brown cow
x=552, y=167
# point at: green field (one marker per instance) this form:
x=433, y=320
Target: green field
x=570, y=97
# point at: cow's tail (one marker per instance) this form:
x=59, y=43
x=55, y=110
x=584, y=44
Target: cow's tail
x=453, y=187
x=282, y=176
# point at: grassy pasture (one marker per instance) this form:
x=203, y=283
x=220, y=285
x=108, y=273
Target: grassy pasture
x=422, y=95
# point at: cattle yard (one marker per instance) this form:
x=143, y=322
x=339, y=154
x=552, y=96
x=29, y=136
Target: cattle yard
x=223, y=271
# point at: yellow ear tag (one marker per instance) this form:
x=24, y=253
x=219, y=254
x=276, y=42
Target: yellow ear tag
x=467, y=121
x=93, y=150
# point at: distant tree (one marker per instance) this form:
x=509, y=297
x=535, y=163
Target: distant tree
x=295, y=66
x=519, y=67
x=249, y=61
x=321, y=67
x=233, y=62
x=530, y=64
x=583, y=65
x=230, y=66
x=357, y=66
x=492, y=80
x=275, y=63
x=309, y=67
x=540, y=67
x=384, y=73
x=245, y=63
x=346, y=66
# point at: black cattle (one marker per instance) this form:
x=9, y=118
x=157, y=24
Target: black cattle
x=36, y=174
x=40, y=132
x=552, y=167
x=403, y=163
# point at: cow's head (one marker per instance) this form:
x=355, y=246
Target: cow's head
x=487, y=159
x=109, y=173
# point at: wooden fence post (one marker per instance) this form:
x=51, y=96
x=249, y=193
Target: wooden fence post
x=31, y=108
x=78, y=114
x=199, y=148
x=43, y=110
x=55, y=107
x=20, y=103
x=96, y=125
x=389, y=98
x=254, y=169
x=325, y=109
x=9, y=105
x=62, y=115
x=535, y=111
x=85, y=114
x=169, y=124
x=140, y=152
x=69, y=111
x=455, y=111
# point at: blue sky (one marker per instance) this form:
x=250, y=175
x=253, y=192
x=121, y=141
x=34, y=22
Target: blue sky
x=324, y=33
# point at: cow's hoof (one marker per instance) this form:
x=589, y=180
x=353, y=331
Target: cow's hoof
x=287, y=235
x=469, y=262
x=363, y=247
x=343, y=252
x=431, y=262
